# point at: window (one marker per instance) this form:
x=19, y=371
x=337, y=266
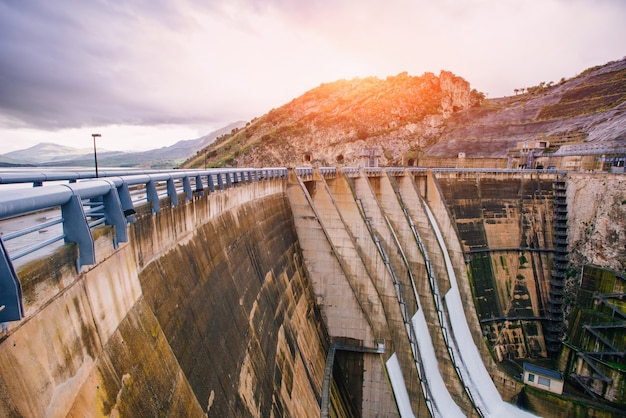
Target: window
x=544, y=381
x=531, y=377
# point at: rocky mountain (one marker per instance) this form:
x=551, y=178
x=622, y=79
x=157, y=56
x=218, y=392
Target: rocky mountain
x=334, y=122
x=404, y=118
x=586, y=109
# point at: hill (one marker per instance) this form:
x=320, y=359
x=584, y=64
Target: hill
x=54, y=155
x=48, y=153
x=587, y=109
x=171, y=156
x=332, y=123
x=405, y=118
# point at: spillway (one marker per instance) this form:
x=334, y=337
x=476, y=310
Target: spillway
x=474, y=374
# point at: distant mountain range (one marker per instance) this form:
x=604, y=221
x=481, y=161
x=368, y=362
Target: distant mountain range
x=55, y=155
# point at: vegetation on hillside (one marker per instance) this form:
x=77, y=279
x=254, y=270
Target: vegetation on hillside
x=343, y=116
x=598, y=93
x=404, y=118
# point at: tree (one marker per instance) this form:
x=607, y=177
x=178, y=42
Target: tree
x=476, y=98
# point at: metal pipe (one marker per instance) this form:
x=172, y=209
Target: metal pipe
x=23, y=201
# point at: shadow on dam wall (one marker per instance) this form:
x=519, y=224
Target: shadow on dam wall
x=206, y=308
x=229, y=304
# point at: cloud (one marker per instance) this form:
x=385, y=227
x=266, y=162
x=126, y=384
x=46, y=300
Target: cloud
x=88, y=62
x=198, y=62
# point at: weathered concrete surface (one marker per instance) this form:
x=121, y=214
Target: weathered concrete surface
x=547, y=404
x=358, y=206
x=411, y=202
x=70, y=318
x=207, y=309
x=507, y=386
x=231, y=317
x=227, y=305
x=344, y=287
x=504, y=221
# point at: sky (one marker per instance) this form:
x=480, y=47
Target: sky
x=148, y=73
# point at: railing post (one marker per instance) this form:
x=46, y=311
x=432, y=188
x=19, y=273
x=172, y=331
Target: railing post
x=229, y=182
x=187, y=187
x=199, y=185
x=211, y=184
x=171, y=191
x=76, y=229
x=153, y=196
x=10, y=289
x=126, y=201
x=114, y=215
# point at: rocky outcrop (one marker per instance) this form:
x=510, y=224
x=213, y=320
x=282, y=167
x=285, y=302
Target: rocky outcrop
x=597, y=220
x=340, y=123
x=455, y=93
x=585, y=109
x=400, y=121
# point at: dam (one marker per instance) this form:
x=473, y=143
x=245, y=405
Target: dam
x=298, y=292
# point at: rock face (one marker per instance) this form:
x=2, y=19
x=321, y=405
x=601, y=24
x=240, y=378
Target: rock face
x=455, y=93
x=588, y=108
x=334, y=123
x=400, y=121
x=596, y=220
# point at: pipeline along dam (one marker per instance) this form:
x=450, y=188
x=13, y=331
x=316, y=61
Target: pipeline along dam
x=283, y=292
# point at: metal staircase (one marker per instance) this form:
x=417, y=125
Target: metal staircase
x=553, y=326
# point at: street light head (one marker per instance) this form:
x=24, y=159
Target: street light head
x=96, y=135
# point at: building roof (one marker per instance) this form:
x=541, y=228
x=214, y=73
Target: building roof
x=543, y=371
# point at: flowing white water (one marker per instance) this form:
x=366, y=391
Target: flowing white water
x=443, y=403
x=399, y=387
x=468, y=360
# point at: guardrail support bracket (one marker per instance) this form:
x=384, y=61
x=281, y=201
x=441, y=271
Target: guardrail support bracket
x=10, y=289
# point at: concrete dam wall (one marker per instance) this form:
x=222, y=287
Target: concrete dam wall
x=325, y=293
x=206, y=309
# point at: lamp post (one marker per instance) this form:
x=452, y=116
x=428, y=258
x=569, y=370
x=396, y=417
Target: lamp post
x=95, y=156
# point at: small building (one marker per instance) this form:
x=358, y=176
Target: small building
x=369, y=157
x=542, y=378
x=528, y=145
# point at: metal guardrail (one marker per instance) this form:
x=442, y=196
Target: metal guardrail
x=85, y=202
x=79, y=206
x=38, y=177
